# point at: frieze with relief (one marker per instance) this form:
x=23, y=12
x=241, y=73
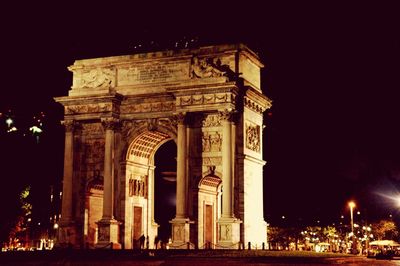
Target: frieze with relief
x=90, y=108
x=207, y=99
x=211, y=142
x=148, y=107
x=97, y=78
x=253, y=137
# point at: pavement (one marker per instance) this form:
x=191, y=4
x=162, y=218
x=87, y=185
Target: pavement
x=166, y=258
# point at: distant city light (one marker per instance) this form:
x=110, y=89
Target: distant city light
x=12, y=129
x=9, y=121
x=35, y=129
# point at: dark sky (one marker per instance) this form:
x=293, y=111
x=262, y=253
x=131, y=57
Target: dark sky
x=332, y=71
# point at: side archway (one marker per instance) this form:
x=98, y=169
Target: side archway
x=209, y=210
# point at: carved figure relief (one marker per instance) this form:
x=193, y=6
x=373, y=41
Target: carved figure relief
x=104, y=233
x=178, y=234
x=211, y=142
x=204, y=68
x=225, y=232
x=138, y=186
x=253, y=137
x=98, y=77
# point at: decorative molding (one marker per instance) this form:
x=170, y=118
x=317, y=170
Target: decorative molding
x=206, y=99
x=211, y=120
x=90, y=108
x=227, y=115
x=209, y=161
x=148, y=107
x=254, y=105
x=253, y=137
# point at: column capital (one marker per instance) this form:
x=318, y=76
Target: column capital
x=227, y=115
x=180, y=118
x=110, y=123
x=70, y=125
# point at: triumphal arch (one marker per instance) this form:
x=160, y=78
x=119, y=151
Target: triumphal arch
x=207, y=102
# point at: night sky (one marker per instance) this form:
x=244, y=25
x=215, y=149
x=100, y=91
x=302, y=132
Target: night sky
x=331, y=69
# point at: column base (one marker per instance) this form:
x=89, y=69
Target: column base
x=66, y=235
x=108, y=234
x=228, y=233
x=181, y=234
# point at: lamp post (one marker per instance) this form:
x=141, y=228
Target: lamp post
x=352, y=205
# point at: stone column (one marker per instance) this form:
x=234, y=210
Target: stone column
x=181, y=169
x=67, y=232
x=227, y=177
x=181, y=222
x=108, y=226
x=229, y=226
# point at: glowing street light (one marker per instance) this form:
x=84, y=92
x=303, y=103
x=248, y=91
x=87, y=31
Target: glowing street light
x=352, y=205
x=9, y=121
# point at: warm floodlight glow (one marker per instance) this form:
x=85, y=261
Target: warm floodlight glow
x=352, y=204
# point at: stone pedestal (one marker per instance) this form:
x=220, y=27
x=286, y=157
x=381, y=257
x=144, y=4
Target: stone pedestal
x=180, y=233
x=66, y=235
x=108, y=234
x=228, y=233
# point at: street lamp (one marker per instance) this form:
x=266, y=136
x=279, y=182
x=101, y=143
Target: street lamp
x=352, y=205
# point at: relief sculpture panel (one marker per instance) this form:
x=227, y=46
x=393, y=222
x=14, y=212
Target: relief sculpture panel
x=97, y=77
x=211, y=142
x=253, y=137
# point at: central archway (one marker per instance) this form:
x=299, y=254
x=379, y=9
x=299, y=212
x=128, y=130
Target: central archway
x=165, y=189
x=140, y=223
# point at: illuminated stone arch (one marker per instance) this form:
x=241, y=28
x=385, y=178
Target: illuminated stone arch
x=119, y=111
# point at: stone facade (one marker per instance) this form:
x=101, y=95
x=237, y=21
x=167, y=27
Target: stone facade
x=121, y=109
